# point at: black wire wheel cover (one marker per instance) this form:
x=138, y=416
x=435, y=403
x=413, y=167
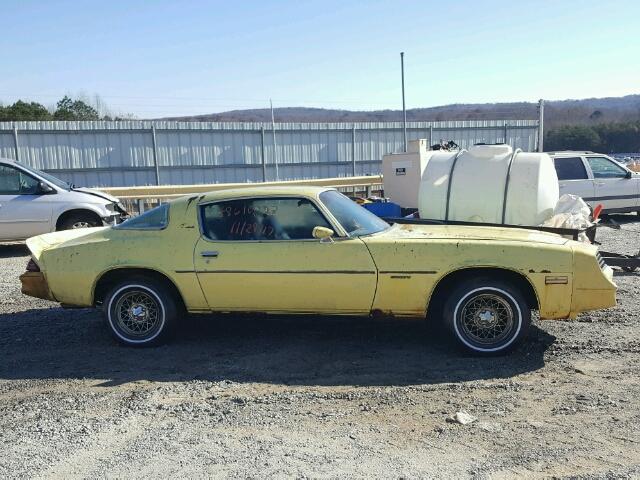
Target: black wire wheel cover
x=487, y=319
x=136, y=313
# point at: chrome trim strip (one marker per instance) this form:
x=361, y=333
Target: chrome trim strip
x=339, y=272
x=611, y=197
x=407, y=272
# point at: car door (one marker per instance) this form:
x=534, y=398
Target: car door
x=573, y=177
x=614, y=187
x=259, y=254
x=24, y=211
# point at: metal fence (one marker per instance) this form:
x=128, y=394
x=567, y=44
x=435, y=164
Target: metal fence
x=129, y=153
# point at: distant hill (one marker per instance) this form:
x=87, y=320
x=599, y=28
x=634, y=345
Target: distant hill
x=564, y=112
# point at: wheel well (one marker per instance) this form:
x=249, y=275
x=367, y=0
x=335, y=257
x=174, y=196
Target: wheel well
x=509, y=276
x=112, y=277
x=80, y=212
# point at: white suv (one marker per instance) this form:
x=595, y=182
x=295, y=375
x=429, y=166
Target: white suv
x=33, y=202
x=598, y=178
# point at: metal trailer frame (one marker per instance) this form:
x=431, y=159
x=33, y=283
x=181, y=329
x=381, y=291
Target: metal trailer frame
x=628, y=263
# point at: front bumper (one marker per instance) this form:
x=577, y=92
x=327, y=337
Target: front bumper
x=35, y=285
x=117, y=215
x=114, y=219
x=594, y=297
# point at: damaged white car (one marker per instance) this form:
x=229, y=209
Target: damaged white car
x=34, y=202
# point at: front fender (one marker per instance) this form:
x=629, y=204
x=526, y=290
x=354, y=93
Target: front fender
x=410, y=270
x=101, y=210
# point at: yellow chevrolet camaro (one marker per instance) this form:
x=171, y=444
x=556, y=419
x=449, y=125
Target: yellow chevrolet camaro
x=312, y=250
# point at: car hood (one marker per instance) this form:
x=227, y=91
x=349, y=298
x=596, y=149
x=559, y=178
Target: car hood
x=459, y=232
x=96, y=193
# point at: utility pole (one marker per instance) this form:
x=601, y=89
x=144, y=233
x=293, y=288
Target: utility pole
x=541, y=125
x=404, y=107
x=273, y=129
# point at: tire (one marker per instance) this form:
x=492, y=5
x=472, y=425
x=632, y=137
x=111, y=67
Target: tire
x=140, y=312
x=487, y=316
x=79, y=220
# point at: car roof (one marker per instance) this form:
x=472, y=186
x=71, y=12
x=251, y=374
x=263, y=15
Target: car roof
x=573, y=152
x=258, y=191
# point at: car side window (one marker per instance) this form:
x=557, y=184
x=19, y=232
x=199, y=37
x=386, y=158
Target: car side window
x=261, y=219
x=570, y=168
x=16, y=182
x=604, y=168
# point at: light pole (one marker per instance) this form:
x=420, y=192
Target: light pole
x=273, y=129
x=541, y=125
x=404, y=107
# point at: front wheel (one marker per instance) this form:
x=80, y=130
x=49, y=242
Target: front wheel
x=487, y=316
x=79, y=220
x=140, y=312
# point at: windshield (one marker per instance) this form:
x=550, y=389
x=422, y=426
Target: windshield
x=355, y=219
x=49, y=178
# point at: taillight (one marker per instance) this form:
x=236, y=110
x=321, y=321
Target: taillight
x=32, y=266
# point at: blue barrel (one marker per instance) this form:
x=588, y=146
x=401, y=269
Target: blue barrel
x=384, y=209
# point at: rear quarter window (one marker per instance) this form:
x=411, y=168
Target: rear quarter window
x=570, y=168
x=155, y=219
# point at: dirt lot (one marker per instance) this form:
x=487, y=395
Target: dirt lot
x=316, y=397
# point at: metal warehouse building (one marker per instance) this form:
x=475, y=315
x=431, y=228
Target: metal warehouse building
x=127, y=153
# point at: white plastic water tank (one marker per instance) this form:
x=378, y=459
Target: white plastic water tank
x=489, y=184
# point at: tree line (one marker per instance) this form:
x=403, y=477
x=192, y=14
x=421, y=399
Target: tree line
x=605, y=137
x=616, y=137
x=66, y=109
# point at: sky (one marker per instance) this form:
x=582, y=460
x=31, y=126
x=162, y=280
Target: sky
x=165, y=58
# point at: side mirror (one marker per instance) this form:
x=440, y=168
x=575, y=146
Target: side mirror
x=44, y=188
x=628, y=175
x=322, y=233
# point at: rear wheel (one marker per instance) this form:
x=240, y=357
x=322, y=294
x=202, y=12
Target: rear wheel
x=487, y=316
x=140, y=312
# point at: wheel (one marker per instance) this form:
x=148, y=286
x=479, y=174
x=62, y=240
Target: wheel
x=487, y=316
x=140, y=312
x=79, y=220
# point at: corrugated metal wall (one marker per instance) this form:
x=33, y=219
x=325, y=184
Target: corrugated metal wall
x=123, y=153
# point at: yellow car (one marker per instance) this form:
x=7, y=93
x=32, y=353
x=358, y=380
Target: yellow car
x=312, y=250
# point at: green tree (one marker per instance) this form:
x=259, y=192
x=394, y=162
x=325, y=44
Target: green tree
x=68, y=109
x=619, y=137
x=23, y=111
x=572, y=137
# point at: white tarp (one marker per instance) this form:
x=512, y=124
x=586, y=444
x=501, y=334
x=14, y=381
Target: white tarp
x=571, y=212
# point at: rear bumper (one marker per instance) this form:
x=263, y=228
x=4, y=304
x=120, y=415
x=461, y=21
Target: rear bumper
x=35, y=285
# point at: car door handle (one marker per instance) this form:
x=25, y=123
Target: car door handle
x=209, y=254
x=600, y=184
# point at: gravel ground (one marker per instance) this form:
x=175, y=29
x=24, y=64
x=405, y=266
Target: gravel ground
x=239, y=396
